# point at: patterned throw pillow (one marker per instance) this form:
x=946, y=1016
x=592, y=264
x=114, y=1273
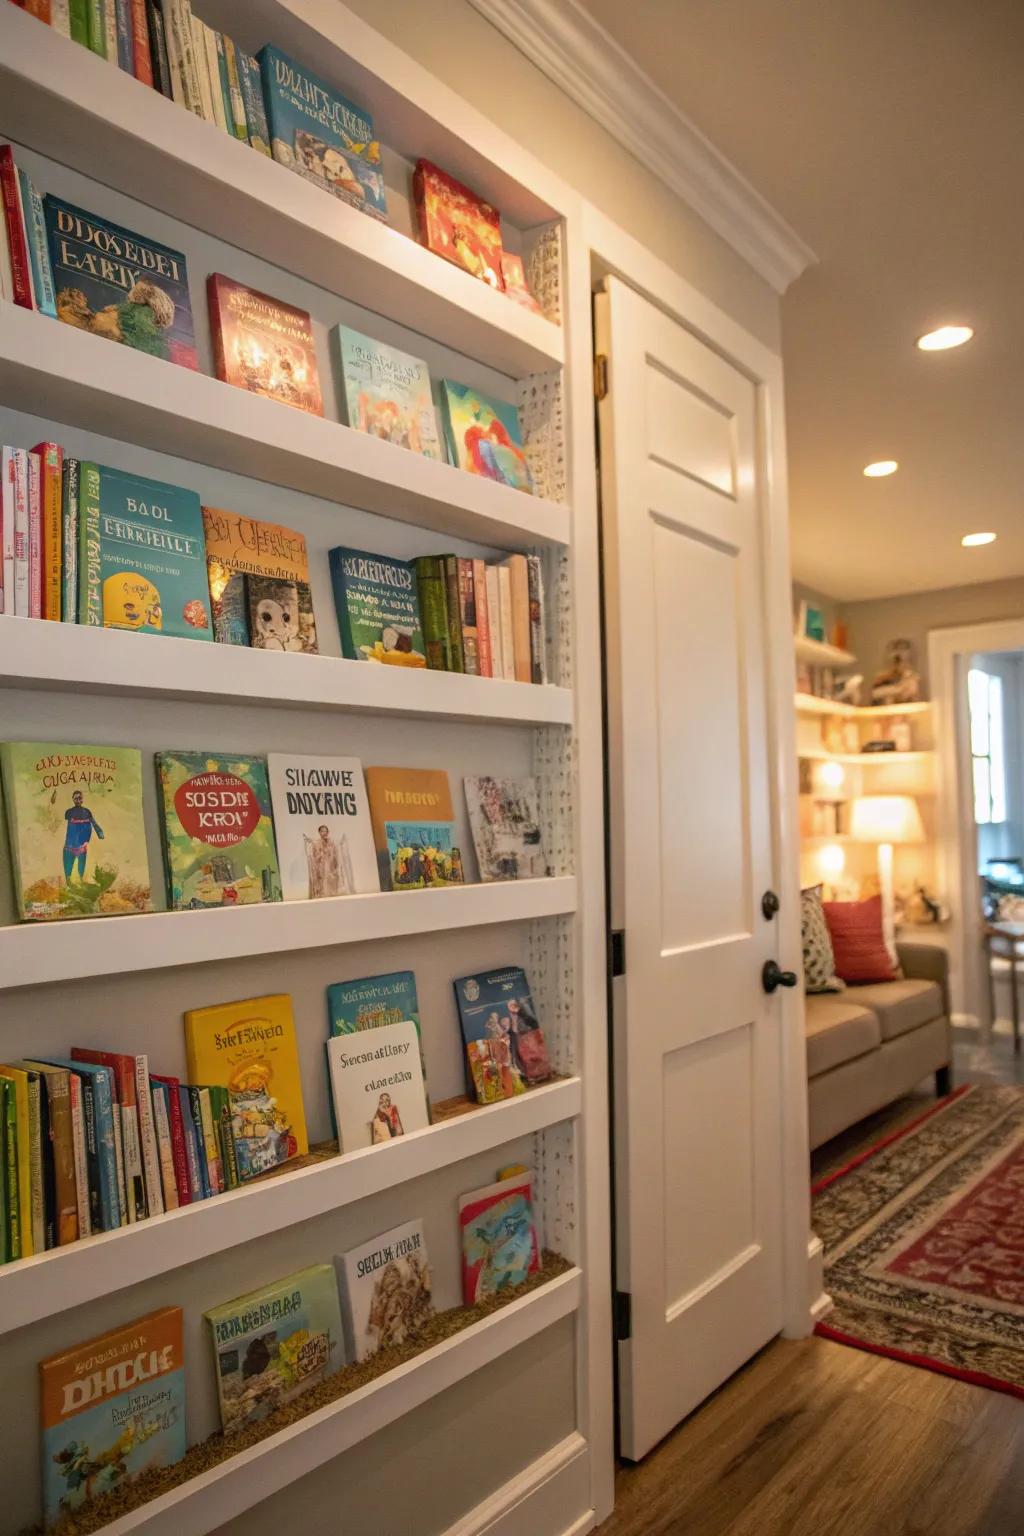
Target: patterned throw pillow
x=819, y=961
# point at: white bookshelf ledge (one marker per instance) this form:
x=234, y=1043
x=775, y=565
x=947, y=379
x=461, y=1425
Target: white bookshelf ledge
x=39, y=1287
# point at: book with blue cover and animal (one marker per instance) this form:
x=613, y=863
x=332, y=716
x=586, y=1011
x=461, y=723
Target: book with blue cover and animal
x=499, y=1238
x=505, y=1048
x=378, y=608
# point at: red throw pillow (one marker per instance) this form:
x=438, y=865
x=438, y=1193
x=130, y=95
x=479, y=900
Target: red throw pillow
x=855, y=928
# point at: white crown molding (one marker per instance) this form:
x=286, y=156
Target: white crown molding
x=582, y=59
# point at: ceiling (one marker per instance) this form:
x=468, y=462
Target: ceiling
x=890, y=135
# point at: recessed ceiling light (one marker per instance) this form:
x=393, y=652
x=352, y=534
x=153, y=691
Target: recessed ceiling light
x=972, y=540
x=945, y=337
x=882, y=467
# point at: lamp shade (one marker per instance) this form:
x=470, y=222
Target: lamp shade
x=886, y=819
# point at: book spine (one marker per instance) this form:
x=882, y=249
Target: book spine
x=11, y=1167
x=60, y=18
x=165, y=1152
x=508, y=661
x=213, y=65
x=58, y=1093
x=226, y=1136
x=430, y=585
x=492, y=588
x=134, y=1176
x=181, y=51
x=78, y=18
x=69, y=542
x=37, y=1211
x=202, y=70
x=123, y=30
x=520, y=586
x=211, y=1143
x=98, y=27
x=8, y=478
x=6, y=273
x=195, y=1096
x=50, y=457
x=142, y=59
x=38, y=247
x=50, y=1239
x=40, y=9
x=106, y=1155
x=147, y=1138
x=239, y=124
x=225, y=83
x=483, y=624
x=22, y=514
x=5, y=1225
x=17, y=240
x=90, y=596
x=179, y=1154
x=92, y=1160
x=158, y=48
x=122, y=1195
x=35, y=537
x=81, y=1160
x=197, y=1189
x=538, y=649
x=255, y=108
x=453, y=608
x=110, y=30
x=468, y=617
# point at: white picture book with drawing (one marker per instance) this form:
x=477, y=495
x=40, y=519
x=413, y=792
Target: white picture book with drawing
x=322, y=825
x=377, y=1084
x=385, y=1290
x=505, y=823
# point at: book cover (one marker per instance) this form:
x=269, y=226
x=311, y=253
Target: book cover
x=377, y=1084
x=112, y=1409
x=69, y=541
x=386, y=392
x=496, y=1009
x=385, y=1290
x=22, y=1141
x=432, y=590
x=538, y=646
x=21, y=521
x=481, y=600
x=202, y=1128
x=372, y=1001
x=97, y=27
x=158, y=48
x=38, y=250
x=505, y=823
x=274, y=1343
x=35, y=539
x=263, y=345
x=485, y=435
x=251, y=83
x=29, y=1095
x=98, y=1101
x=258, y=571
x=50, y=457
x=78, y=840
x=170, y=1087
x=165, y=1151
x=499, y=1240
x=378, y=608
x=316, y=132
x=123, y=25
x=494, y=628
x=453, y=605
x=17, y=230
x=199, y=1188
x=124, y=1070
x=468, y=618
x=516, y=286
x=519, y=585
x=236, y=99
x=249, y=1048
x=142, y=62
x=503, y=576
x=413, y=828
x=218, y=830
x=58, y=1100
x=322, y=825
x=457, y=224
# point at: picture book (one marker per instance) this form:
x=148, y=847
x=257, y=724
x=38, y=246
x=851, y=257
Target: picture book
x=516, y=286
x=141, y=555
x=457, y=224
x=78, y=840
x=259, y=583
x=99, y=1100
x=378, y=608
x=112, y=1409
x=218, y=830
x=504, y=1043
x=322, y=826
x=263, y=345
x=19, y=1153
x=249, y=1048
x=484, y=436
x=505, y=823
x=499, y=1239
x=128, y=1072
x=274, y=1343
x=377, y=1084
x=413, y=828
x=387, y=393
x=120, y=285
x=385, y=1290
x=316, y=132
x=371, y=1002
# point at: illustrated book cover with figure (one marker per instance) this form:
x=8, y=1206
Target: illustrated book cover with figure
x=317, y=133
x=505, y=1045
x=484, y=436
x=322, y=826
x=259, y=583
x=274, y=1343
x=506, y=831
x=377, y=1084
x=78, y=840
x=249, y=1048
x=141, y=555
x=112, y=1409
x=378, y=608
x=263, y=345
x=413, y=828
x=118, y=284
x=499, y=1238
x=371, y=1001
x=385, y=1290
x=218, y=830
x=457, y=224
x=387, y=393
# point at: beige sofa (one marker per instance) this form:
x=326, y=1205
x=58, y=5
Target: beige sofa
x=868, y=1045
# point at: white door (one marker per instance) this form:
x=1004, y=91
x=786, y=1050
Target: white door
x=696, y=1038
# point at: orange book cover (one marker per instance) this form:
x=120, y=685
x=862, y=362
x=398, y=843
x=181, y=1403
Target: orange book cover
x=51, y=464
x=457, y=224
x=413, y=828
x=263, y=345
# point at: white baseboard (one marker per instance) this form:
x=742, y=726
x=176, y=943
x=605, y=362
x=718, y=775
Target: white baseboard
x=550, y=1497
x=821, y=1308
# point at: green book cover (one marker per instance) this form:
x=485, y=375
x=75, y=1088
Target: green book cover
x=78, y=21
x=96, y=26
x=218, y=830
x=5, y=1173
x=10, y=1151
x=453, y=608
x=432, y=590
x=378, y=609
x=220, y=1101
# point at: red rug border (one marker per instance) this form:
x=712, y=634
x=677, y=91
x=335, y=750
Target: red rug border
x=925, y=1362
x=893, y=1136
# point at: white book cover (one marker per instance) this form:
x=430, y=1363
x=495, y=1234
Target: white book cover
x=494, y=621
x=110, y=23
x=147, y=1138
x=122, y=1198
x=203, y=69
x=22, y=599
x=78, y=1149
x=508, y=646
x=162, y=1127
x=377, y=1084
x=322, y=826
x=505, y=823
x=385, y=1290
x=8, y=475
x=60, y=17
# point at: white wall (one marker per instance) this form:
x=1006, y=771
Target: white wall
x=1006, y=839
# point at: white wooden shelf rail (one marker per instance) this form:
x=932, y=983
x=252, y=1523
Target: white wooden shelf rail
x=818, y=653
x=810, y=704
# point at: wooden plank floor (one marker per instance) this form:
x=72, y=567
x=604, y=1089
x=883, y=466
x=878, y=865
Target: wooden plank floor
x=812, y=1438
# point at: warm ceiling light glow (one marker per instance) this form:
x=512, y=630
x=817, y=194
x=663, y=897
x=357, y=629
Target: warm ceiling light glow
x=882, y=467
x=945, y=337
x=972, y=540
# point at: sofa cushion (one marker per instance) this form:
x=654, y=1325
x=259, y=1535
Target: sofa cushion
x=819, y=961
x=902, y=1005
x=858, y=940
x=838, y=1032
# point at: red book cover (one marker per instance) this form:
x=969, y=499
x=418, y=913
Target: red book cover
x=143, y=63
x=263, y=345
x=11, y=194
x=40, y=8
x=180, y=1156
x=483, y=620
x=516, y=286
x=51, y=463
x=458, y=225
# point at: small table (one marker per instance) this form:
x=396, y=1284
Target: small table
x=1004, y=940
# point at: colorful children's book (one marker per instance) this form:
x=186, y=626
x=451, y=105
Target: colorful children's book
x=249, y=1048
x=457, y=224
x=112, y=1409
x=322, y=826
x=504, y=1043
x=22, y=1146
x=38, y=251
x=499, y=1239
x=516, y=286
x=98, y=1101
x=387, y=393
x=484, y=436
x=505, y=823
x=218, y=830
x=78, y=841
x=378, y=608
x=263, y=345
x=120, y=285
x=275, y=1343
x=413, y=828
x=316, y=132
x=258, y=570
x=432, y=590
x=371, y=1002
x=377, y=1085
x=385, y=1290
x=128, y=1072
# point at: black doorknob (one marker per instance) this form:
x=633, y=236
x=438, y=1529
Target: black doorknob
x=772, y=976
x=769, y=905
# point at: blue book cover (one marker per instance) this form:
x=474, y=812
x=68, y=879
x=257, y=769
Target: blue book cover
x=250, y=81
x=120, y=285
x=318, y=133
x=501, y=1032
x=125, y=43
x=99, y=1094
x=378, y=608
x=194, y=1149
x=38, y=249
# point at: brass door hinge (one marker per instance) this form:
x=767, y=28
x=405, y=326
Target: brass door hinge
x=600, y=376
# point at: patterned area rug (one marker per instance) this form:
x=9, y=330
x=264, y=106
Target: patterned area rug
x=924, y=1241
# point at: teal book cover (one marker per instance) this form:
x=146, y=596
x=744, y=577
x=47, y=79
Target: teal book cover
x=38, y=249
x=484, y=435
x=372, y=1002
x=218, y=830
x=142, y=555
x=378, y=608
x=387, y=392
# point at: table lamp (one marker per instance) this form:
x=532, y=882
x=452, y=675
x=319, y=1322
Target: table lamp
x=886, y=820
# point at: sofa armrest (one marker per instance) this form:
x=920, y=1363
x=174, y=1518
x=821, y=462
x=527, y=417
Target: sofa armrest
x=927, y=962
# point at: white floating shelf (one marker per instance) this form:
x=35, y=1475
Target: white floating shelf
x=57, y=371
x=34, y=953
x=40, y=1286
x=864, y=759
x=810, y=704
x=233, y=1486
x=816, y=653
x=73, y=106
x=35, y=653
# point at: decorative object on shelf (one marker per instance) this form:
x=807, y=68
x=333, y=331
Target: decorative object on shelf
x=505, y=823
x=483, y=435
x=840, y=636
x=378, y=606
x=819, y=959
x=321, y=826
x=218, y=830
x=514, y=275
x=499, y=1239
x=413, y=828
x=886, y=820
x=263, y=345
x=259, y=583
x=377, y=1084
x=505, y=1048
x=848, y=690
x=879, y=744
x=386, y=392
x=457, y=224
x=919, y=909
x=899, y=682
x=385, y=1291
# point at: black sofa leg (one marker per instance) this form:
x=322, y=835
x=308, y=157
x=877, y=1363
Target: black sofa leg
x=943, y=1082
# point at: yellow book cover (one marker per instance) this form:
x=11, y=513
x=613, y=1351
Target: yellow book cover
x=20, y=1081
x=249, y=1048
